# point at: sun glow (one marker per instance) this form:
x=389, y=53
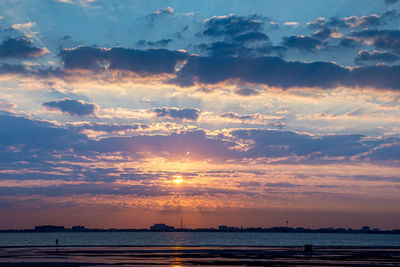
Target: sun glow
x=178, y=179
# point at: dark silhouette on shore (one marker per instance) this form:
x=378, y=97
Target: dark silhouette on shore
x=160, y=227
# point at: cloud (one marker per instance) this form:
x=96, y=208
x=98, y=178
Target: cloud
x=270, y=71
x=256, y=119
x=381, y=39
x=109, y=128
x=348, y=43
x=238, y=35
x=85, y=188
x=58, y=152
x=251, y=37
x=291, y=23
x=159, y=14
x=233, y=48
x=305, y=43
x=391, y=1
x=281, y=185
x=226, y=49
x=326, y=33
x=276, y=72
x=72, y=107
x=232, y=25
x=247, y=91
x=235, y=116
x=375, y=57
x=20, y=49
x=79, y=2
x=371, y=20
x=160, y=43
x=35, y=134
x=191, y=114
x=23, y=26
x=165, y=11
x=386, y=153
x=144, y=62
x=6, y=106
x=195, y=145
x=273, y=143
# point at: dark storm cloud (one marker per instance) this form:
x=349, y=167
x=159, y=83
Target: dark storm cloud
x=305, y=43
x=72, y=107
x=375, y=57
x=381, y=39
x=145, y=62
x=232, y=25
x=274, y=71
x=191, y=114
x=20, y=48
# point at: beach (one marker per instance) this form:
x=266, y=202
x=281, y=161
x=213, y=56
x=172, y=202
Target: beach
x=205, y=256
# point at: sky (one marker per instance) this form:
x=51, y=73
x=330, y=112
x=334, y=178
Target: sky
x=245, y=113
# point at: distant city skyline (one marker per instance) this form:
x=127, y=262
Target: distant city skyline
x=122, y=113
x=162, y=227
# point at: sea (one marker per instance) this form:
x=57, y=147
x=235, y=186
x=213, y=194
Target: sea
x=197, y=239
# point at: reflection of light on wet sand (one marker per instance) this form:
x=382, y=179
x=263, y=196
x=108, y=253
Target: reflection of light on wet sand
x=217, y=256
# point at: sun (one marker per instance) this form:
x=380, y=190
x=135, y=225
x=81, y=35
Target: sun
x=178, y=179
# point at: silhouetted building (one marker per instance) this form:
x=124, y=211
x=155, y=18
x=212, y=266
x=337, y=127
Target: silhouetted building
x=49, y=228
x=78, y=228
x=161, y=227
x=365, y=228
x=224, y=228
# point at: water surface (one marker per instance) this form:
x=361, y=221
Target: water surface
x=196, y=239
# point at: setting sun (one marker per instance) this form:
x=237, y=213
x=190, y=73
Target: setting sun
x=178, y=179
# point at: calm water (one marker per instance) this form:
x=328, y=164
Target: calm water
x=196, y=239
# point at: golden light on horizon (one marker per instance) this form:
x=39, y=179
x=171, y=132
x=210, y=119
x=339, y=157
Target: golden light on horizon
x=178, y=179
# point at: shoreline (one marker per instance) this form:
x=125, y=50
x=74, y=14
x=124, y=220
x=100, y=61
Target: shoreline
x=199, y=255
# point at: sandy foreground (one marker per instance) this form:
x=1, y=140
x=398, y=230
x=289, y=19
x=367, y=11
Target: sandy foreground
x=205, y=256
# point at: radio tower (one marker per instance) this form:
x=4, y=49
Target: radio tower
x=181, y=223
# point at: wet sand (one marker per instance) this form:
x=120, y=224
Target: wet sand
x=205, y=256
